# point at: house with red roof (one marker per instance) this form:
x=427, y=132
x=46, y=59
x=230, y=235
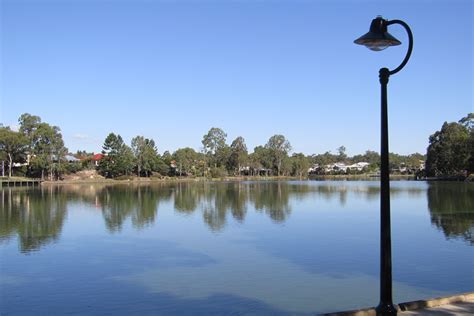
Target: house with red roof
x=96, y=158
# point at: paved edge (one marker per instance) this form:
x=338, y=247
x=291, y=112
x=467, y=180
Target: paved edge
x=410, y=306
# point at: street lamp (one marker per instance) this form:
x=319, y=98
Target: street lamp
x=378, y=39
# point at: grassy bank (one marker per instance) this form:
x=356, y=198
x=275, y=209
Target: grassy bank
x=136, y=180
x=16, y=179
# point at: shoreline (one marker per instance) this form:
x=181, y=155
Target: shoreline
x=225, y=179
x=155, y=180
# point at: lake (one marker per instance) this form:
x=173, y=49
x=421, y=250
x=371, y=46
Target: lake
x=251, y=248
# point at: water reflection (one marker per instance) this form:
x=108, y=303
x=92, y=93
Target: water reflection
x=452, y=209
x=37, y=215
x=140, y=203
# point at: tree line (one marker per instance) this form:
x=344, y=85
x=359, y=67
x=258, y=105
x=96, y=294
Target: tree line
x=38, y=150
x=217, y=158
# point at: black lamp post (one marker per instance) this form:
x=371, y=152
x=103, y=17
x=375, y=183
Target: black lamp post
x=378, y=39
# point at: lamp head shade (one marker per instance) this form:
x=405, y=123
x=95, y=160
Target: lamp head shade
x=377, y=38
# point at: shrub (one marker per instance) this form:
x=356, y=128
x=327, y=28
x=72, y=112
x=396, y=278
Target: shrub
x=218, y=172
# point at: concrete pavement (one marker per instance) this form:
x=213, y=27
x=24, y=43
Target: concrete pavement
x=458, y=305
x=459, y=309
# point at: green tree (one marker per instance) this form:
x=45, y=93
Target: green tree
x=48, y=151
x=279, y=148
x=448, y=151
x=323, y=159
x=468, y=122
x=370, y=156
x=238, y=154
x=161, y=167
x=213, y=140
x=119, y=159
x=395, y=161
x=222, y=158
x=13, y=146
x=167, y=157
x=146, y=155
x=286, y=166
x=28, y=126
x=341, y=153
x=202, y=164
x=126, y=161
x=413, y=161
x=215, y=147
x=186, y=160
x=299, y=164
x=45, y=146
x=164, y=163
x=260, y=158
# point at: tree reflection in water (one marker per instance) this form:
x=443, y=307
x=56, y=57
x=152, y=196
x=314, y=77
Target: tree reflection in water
x=37, y=215
x=452, y=209
x=140, y=202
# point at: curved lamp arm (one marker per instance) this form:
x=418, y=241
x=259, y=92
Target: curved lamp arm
x=410, y=45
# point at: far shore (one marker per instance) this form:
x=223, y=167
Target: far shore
x=136, y=180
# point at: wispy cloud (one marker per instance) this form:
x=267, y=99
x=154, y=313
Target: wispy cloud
x=80, y=136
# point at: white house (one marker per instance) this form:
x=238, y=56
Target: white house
x=358, y=166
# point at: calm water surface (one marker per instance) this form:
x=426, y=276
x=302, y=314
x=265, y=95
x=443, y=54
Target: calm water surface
x=272, y=248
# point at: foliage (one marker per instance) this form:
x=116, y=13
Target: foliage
x=161, y=167
x=164, y=163
x=218, y=172
x=299, y=164
x=45, y=146
x=450, y=149
x=12, y=147
x=370, y=156
x=214, y=140
x=238, y=155
x=323, y=159
x=215, y=147
x=222, y=157
x=341, y=153
x=118, y=160
x=278, y=148
x=73, y=167
x=286, y=166
x=28, y=126
x=260, y=158
x=187, y=160
x=146, y=155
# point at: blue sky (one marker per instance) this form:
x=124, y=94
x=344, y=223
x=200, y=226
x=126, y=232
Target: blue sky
x=171, y=70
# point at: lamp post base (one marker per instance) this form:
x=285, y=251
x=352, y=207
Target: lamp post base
x=386, y=310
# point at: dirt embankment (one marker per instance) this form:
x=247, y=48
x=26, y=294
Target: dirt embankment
x=84, y=175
